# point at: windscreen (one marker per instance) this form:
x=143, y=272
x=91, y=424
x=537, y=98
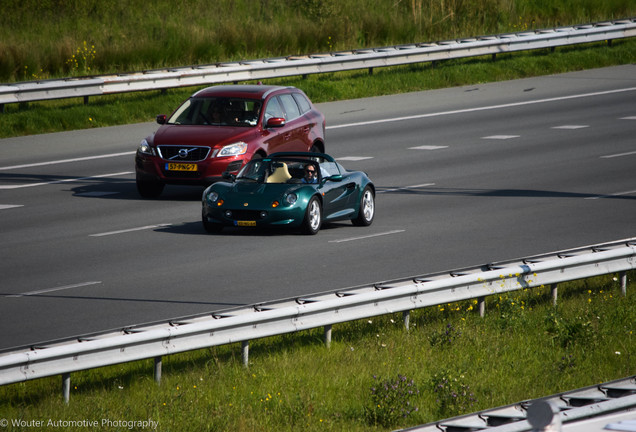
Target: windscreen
x=218, y=112
x=281, y=171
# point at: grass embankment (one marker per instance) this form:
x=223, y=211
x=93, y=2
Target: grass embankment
x=452, y=361
x=51, y=38
x=47, y=38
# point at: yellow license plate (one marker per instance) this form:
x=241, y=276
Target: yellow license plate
x=181, y=167
x=246, y=223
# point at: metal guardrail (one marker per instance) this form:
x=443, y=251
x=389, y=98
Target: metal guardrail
x=570, y=407
x=316, y=63
x=242, y=324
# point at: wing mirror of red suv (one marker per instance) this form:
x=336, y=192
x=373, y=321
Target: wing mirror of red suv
x=275, y=122
x=161, y=119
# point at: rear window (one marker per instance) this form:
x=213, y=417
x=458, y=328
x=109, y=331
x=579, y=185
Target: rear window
x=302, y=102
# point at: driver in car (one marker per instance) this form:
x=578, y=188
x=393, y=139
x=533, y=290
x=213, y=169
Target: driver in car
x=310, y=174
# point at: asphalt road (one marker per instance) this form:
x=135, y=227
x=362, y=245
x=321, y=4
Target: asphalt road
x=466, y=176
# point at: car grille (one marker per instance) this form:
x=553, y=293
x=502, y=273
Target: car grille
x=180, y=153
x=246, y=214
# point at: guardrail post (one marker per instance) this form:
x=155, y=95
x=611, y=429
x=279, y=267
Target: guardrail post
x=406, y=316
x=66, y=387
x=553, y=289
x=245, y=352
x=544, y=417
x=623, y=277
x=327, y=336
x=481, y=303
x=158, y=364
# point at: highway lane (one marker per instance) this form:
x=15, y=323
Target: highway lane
x=465, y=176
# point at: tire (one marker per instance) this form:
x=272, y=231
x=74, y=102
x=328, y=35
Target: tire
x=210, y=227
x=313, y=217
x=366, y=211
x=149, y=188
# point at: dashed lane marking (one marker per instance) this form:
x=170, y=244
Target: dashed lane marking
x=7, y=187
x=48, y=290
x=500, y=137
x=147, y=227
x=406, y=188
x=66, y=161
x=618, y=155
x=428, y=147
x=366, y=236
x=354, y=158
x=571, y=127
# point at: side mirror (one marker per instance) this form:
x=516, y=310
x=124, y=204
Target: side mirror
x=275, y=122
x=335, y=178
x=162, y=119
x=229, y=176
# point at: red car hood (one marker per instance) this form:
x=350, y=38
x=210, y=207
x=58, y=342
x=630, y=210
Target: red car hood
x=200, y=135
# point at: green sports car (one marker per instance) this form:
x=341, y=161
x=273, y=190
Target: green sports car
x=296, y=189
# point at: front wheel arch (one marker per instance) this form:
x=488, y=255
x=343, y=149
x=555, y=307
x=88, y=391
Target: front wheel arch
x=317, y=147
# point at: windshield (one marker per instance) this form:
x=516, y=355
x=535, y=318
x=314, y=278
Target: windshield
x=217, y=112
x=281, y=171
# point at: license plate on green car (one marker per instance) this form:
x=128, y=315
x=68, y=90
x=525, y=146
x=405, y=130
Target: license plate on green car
x=246, y=223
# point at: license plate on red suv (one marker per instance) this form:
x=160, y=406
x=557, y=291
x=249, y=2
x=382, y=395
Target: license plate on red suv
x=181, y=167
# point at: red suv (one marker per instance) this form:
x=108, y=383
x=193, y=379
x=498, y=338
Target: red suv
x=219, y=129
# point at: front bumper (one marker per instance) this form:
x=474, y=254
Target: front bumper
x=233, y=216
x=207, y=171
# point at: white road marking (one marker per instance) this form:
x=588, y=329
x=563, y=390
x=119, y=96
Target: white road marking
x=48, y=290
x=354, y=158
x=629, y=118
x=65, y=161
x=9, y=206
x=366, y=237
x=611, y=195
x=147, y=227
x=428, y=147
x=6, y=187
x=500, y=137
x=570, y=127
x=618, y=155
x=406, y=188
x=491, y=107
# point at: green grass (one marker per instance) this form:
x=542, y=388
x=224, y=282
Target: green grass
x=52, y=38
x=523, y=348
x=71, y=114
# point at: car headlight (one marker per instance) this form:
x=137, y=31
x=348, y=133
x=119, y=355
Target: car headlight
x=145, y=148
x=213, y=199
x=291, y=198
x=238, y=148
